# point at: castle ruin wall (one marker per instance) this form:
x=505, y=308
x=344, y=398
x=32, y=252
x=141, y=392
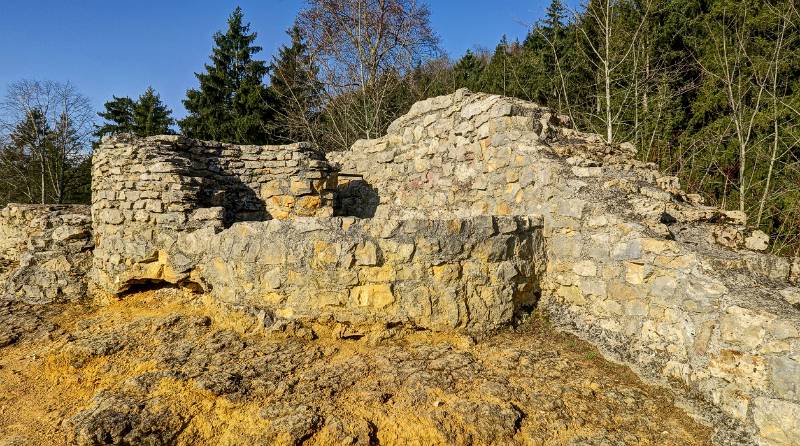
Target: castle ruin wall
x=45, y=252
x=470, y=209
x=146, y=191
x=644, y=270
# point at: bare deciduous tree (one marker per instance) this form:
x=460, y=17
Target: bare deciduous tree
x=49, y=125
x=611, y=50
x=364, y=49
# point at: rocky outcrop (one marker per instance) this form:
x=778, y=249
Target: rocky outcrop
x=45, y=253
x=160, y=368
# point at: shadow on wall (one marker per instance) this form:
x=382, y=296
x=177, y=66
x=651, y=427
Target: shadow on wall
x=355, y=198
x=240, y=201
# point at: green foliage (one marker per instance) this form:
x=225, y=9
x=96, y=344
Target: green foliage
x=468, y=71
x=232, y=102
x=118, y=115
x=151, y=116
x=147, y=116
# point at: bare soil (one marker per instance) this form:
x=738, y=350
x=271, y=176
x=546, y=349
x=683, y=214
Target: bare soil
x=165, y=367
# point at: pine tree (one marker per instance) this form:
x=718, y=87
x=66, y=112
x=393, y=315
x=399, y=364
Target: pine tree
x=232, y=102
x=118, y=116
x=151, y=116
x=297, y=91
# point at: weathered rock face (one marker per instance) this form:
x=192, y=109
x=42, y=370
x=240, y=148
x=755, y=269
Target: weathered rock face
x=470, y=275
x=467, y=195
x=45, y=253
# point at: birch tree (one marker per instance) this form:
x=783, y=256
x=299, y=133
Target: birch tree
x=610, y=49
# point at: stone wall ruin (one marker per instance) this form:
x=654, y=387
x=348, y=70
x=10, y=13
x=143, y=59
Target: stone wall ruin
x=146, y=192
x=45, y=253
x=471, y=209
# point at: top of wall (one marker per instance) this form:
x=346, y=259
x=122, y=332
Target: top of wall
x=471, y=153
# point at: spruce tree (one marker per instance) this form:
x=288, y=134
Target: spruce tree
x=232, y=102
x=147, y=116
x=151, y=116
x=468, y=70
x=118, y=116
x=297, y=92
x=554, y=18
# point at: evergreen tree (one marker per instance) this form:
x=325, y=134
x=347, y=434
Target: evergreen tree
x=297, y=92
x=151, y=116
x=118, y=115
x=147, y=116
x=232, y=103
x=468, y=71
x=496, y=78
x=554, y=18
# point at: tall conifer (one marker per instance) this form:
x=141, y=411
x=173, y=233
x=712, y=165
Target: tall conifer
x=151, y=116
x=232, y=103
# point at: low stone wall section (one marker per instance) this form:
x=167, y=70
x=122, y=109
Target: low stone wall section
x=470, y=275
x=45, y=252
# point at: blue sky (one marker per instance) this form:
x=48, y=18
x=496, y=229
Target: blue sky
x=119, y=47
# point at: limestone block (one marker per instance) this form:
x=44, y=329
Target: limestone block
x=627, y=250
x=778, y=421
x=743, y=328
x=736, y=366
x=785, y=377
x=566, y=245
x=378, y=296
x=585, y=268
x=367, y=254
x=757, y=241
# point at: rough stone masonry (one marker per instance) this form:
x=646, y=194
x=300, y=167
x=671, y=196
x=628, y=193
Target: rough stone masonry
x=45, y=253
x=472, y=209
